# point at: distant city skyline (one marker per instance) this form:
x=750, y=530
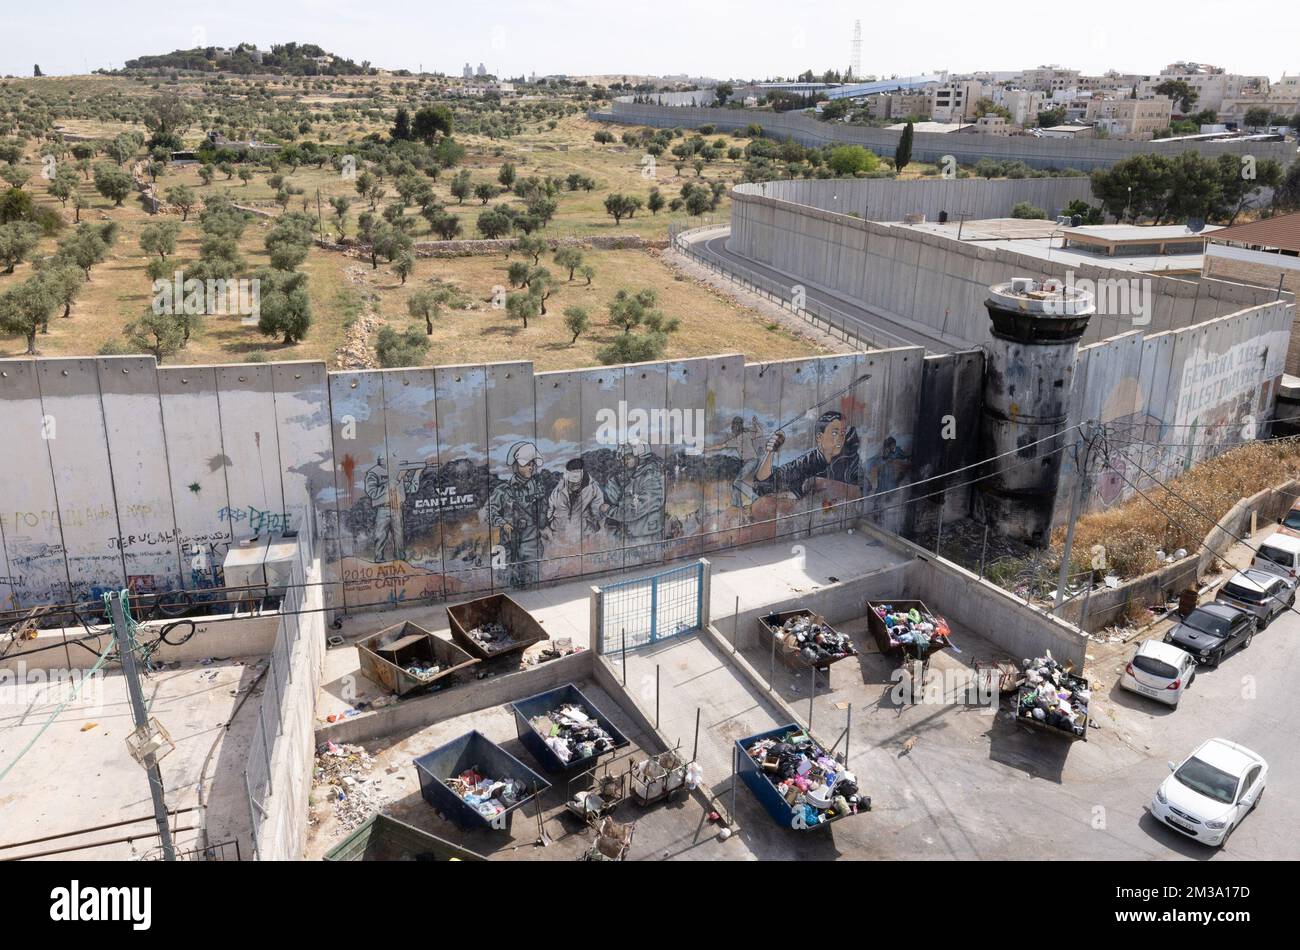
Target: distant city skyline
x=578, y=37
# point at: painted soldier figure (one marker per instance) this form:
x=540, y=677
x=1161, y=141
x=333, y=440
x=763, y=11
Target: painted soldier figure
x=517, y=508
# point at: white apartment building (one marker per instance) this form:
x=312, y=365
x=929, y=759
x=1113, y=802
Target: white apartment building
x=1023, y=104
x=1212, y=84
x=1282, y=98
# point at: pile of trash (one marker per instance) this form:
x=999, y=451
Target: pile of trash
x=489, y=797
x=913, y=628
x=1052, y=695
x=810, y=781
x=492, y=635
x=344, y=770
x=424, y=673
x=571, y=733
x=811, y=637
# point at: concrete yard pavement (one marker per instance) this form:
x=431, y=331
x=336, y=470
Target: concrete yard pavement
x=744, y=578
x=79, y=775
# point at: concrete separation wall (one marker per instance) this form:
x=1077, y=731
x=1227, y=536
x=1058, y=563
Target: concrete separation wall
x=885, y=199
x=409, y=472
x=938, y=282
x=1081, y=154
x=1175, y=398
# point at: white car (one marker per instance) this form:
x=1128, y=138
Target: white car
x=1210, y=794
x=1160, y=671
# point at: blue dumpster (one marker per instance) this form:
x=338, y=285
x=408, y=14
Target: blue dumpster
x=535, y=742
x=477, y=752
x=765, y=788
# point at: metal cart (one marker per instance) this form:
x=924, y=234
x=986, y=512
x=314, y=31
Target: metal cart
x=657, y=778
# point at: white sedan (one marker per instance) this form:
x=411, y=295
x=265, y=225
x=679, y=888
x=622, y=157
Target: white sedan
x=1159, y=670
x=1210, y=794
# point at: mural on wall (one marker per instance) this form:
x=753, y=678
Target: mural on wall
x=435, y=483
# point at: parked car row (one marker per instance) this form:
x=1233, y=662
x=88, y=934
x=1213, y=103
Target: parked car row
x=1212, y=790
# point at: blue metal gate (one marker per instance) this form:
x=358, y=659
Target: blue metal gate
x=643, y=610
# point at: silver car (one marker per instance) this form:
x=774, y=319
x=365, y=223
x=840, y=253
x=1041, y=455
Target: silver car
x=1260, y=593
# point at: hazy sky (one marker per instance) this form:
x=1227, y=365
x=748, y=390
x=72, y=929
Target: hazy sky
x=723, y=38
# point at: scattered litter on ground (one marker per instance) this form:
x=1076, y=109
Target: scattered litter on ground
x=342, y=771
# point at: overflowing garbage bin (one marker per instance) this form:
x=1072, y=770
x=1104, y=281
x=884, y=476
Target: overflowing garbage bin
x=564, y=730
x=907, y=628
x=493, y=626
x=1052, y=698
x=475, y=783
x=794, y=778
x=804, y=639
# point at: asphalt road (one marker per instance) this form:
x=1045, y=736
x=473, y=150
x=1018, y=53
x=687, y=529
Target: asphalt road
x=980, y=786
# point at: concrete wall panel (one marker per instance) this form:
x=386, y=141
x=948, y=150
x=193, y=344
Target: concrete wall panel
x=141, y=481
x=517, y=494
x=251, y=441
x=363, y=510
x=557, y=399
x=415, y=490
x=35, y=571
x=602, y=399
x=196, y=463
x=687, y=480
x=82, y=475
x=463, y=466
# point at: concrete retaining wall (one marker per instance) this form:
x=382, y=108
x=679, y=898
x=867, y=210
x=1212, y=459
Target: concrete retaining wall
x=213, y=636
x=1106, y=607
x=411, y=715
x=1021, y=629
x=1081, y=154
x=282, y=827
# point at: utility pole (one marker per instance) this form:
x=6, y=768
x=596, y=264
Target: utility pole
x=1081, y=486
x=122, y=633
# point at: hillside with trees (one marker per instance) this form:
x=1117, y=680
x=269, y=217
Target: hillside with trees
x=283, y=59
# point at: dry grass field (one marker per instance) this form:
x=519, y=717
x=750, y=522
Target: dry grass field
x=343, y=287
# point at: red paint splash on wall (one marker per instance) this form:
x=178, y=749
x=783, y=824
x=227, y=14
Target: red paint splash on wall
x=349, y=466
